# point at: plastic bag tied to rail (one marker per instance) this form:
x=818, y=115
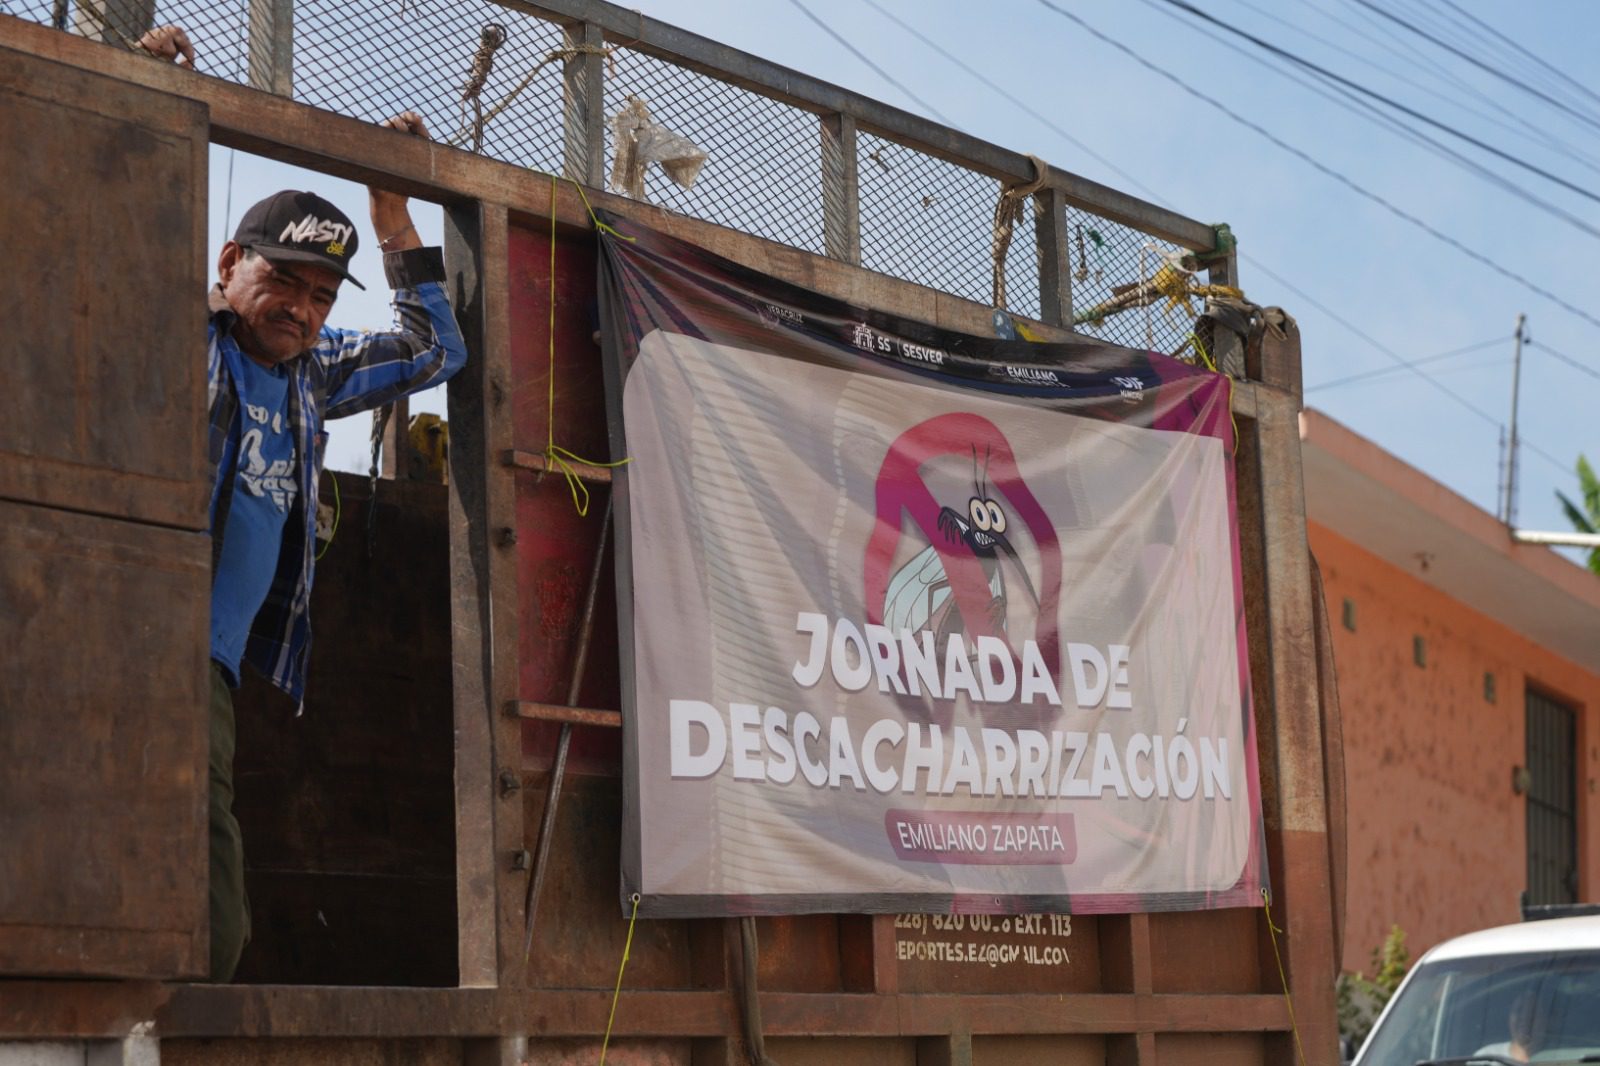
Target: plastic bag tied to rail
x=642, y=141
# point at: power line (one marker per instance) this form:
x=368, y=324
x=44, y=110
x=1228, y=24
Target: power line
x=1257, y=264
x=1408, y=364
x=1573, y=363
x=1531, y=134
x=1442, y=72
x=1343, y=98
x=1490, y=45
x=1018, y=101
x=1328, y=171
x=1387, y=101
x=1480, y=64
x=1541, y=63
x=1449, y=27
x=1397, y=357
x=884, y=74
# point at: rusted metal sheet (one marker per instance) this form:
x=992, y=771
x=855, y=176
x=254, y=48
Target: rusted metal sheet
x=558, y=397
x=103, y=736
x=105, y=410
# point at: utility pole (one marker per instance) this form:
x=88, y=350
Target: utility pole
x=1508, y=508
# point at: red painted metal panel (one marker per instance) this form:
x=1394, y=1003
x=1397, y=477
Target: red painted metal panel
x=556, y=545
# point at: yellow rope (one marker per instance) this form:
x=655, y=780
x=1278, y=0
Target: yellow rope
x=617, y=992
x=1207, y=361
x=601, y=226
x=1200, y=350
x=1273, y=931
x=555, y=455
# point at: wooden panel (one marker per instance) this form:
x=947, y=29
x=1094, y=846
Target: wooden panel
x=1056, y=1050
x=1230, y=1049
x=483, y=597
x=619, y=1053
x=435, y=1052
x=1206, y=951
x=980, y=953
x=582, y=929
x=849, y=1052
x=1279, y=614
x=68, y=1009
x=348, y=810
x=799, y=953
x=104, y=409
x=297, y=1011
x=103, y=740
x=1125, y=953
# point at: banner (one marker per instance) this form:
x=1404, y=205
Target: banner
x=914, y=620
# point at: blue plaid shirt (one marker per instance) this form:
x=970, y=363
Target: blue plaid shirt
x=344, y=373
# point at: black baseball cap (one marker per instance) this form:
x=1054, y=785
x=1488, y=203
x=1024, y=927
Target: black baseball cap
x=300, y=227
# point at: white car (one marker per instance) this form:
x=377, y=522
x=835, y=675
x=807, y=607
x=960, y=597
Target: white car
x=1516, y=994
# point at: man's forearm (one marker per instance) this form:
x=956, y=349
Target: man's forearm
x=391, y=221
x=391, y=213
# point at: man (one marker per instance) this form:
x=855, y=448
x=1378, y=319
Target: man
x=276, y=374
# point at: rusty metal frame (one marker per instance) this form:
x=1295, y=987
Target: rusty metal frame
x=481, y=196
x=558, y=772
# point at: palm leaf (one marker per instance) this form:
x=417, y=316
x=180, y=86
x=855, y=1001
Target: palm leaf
x=1591, y=489
x=1579, y=520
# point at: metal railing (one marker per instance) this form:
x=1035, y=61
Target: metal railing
x=790, y=158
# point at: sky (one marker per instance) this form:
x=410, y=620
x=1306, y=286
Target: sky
x=1355, y=275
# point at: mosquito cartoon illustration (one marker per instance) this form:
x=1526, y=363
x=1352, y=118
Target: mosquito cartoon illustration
x=919, y=596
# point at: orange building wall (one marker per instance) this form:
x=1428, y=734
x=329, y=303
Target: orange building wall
x=1436, y=834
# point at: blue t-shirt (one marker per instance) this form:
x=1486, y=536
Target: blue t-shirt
x=264, y=492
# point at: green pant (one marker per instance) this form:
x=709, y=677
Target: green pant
x=230, y=908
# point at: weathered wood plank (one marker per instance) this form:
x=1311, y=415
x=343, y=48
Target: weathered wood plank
x=103, y=796
x=483, y=609
x=1288, y=718
x=286, y=1011
x=583, y=106
x=551, y=712
x=536, y=462
x=77, y=1009
x=105, y=413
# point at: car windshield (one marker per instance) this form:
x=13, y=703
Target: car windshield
x=1542, y=1007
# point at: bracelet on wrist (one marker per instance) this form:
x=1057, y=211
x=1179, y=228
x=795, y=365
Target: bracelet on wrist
x=383, y=245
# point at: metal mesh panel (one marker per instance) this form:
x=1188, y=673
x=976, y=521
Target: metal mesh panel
x=371, y=59
x=932, y=222
x=1114, y=296
x=763, y=171
x=418, y=54
x=216, y=28
x=923, y=219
